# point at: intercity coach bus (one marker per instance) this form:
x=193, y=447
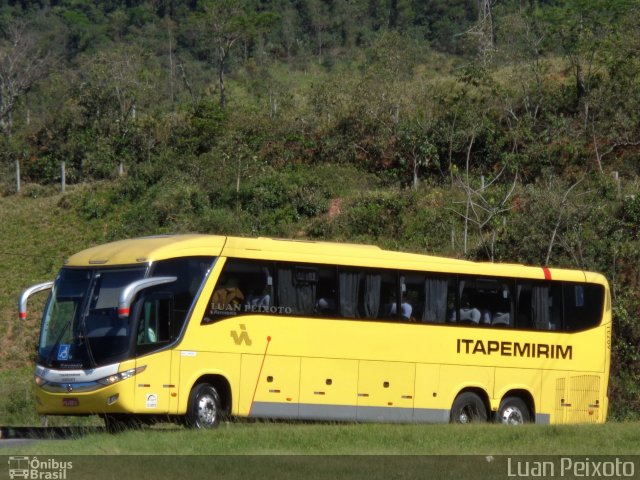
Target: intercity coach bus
x=197, y=328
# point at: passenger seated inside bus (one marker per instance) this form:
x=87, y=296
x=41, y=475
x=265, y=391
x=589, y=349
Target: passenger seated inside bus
x=259, y=294
x=470, y=315
x=501, y=319
x=405, y=310
x=325, y=305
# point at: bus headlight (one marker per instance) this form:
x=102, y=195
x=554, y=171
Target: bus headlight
x=39, y=380
x=118, y=377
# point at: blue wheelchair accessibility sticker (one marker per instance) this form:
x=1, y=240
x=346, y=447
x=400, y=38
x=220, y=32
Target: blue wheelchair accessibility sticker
x=63, y=351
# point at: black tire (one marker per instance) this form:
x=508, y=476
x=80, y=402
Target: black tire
x=468, y=407
x=513, y=411
x=204, y=409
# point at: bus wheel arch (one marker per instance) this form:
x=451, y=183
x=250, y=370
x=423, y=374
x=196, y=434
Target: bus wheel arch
x=209, y=402
x=470, y=406
x=516, y=408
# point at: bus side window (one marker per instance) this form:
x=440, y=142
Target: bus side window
x=244, y=287
x=190, y=273
x=539, y=305
x=155, y=321
x=388, y=295
x=469, y=313
x=327, y=292
x=486, y=301
x=361, y=292
x=583, y=305
x=297, y=289
x=413, y=294
x=439, y=299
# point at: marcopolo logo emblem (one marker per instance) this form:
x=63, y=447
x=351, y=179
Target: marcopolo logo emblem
x=33, y=468
x=242, y=337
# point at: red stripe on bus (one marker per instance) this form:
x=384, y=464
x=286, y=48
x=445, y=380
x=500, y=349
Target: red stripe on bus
x=266, y=349
x=123, y=311
x=547, y=273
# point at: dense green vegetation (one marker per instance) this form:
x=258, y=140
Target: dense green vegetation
x=502, y=131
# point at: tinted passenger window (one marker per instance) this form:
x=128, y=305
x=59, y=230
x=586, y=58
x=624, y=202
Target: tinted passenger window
x=539, y=306
x=306, y=290
x=366, y=293
x=583, y=306
x=190, y=273
x=243, y=287
x=486, y=301
x=430, y=298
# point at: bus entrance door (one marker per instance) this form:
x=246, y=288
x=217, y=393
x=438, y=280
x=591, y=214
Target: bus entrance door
x=153, y=384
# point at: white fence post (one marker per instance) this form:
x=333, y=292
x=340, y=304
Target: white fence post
x=17, y=176
x=63, y=174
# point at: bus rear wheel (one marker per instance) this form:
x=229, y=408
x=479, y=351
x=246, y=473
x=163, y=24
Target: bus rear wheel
x=204, y=408
x=468, y=407
x=513, y=411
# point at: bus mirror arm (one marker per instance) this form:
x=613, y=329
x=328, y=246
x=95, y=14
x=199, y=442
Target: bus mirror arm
x=130, y=291
x=22, y=305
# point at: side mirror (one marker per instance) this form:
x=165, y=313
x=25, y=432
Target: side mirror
x=22, y=304
x=130, y=291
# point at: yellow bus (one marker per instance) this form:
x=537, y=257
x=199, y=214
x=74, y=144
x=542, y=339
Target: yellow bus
x=197, y=328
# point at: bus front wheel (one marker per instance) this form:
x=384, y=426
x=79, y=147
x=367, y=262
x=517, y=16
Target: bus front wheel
x=513, y=411
x=468, y=407
x=204, y=408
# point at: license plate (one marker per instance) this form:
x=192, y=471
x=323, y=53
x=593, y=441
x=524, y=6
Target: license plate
x=70, y=402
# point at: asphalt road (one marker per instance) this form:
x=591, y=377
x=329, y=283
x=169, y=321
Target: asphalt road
x=14, y=442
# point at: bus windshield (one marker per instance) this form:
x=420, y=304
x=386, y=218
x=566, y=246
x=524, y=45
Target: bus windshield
x=81, y=327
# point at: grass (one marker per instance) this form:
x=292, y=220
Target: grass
x=249, y=438
x=36, y=235
x=244, y=450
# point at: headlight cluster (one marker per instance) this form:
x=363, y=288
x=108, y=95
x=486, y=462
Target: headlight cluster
x=87, y=386
x=118, y=377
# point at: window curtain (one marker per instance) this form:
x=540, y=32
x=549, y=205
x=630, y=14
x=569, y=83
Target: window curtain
x=435, y=295
x=541, y=307
x=349, y=290
x=296, y=294
x=372, y=284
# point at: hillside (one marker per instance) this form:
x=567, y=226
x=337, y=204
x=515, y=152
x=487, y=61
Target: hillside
x=40, y=228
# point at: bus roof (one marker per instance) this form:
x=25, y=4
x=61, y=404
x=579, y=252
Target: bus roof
x=148, y=249
x=161, y=247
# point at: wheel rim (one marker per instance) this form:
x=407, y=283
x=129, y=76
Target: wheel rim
x=467, y=414
x=206, y=411
x=512, y=416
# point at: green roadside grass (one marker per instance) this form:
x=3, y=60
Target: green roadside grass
x=262, y=438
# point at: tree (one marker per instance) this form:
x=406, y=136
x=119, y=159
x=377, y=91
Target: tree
x=224, y=24
x=417, y=147
x=24, y=59
x=581, y=28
